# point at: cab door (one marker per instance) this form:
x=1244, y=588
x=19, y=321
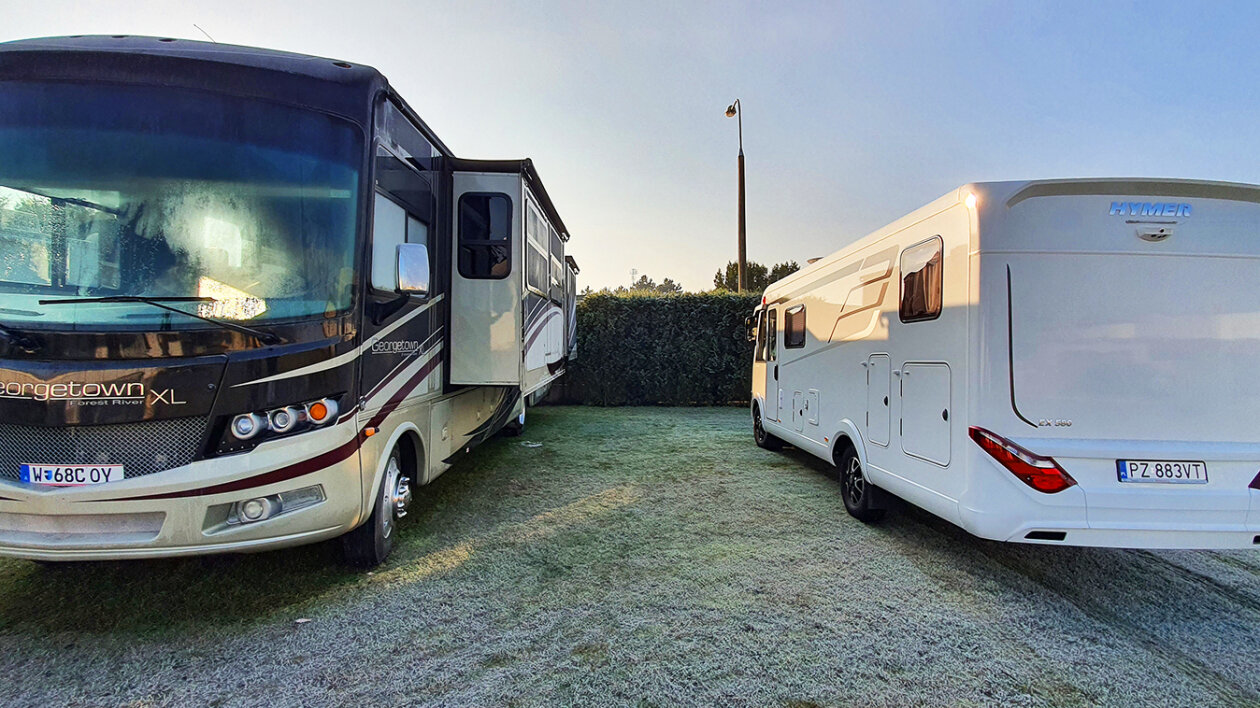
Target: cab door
x=772, y=365
x=759, y=355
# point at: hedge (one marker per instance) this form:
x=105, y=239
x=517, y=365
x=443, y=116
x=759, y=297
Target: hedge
x=660, y=350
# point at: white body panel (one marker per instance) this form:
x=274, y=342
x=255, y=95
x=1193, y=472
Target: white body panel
x=1111, y=346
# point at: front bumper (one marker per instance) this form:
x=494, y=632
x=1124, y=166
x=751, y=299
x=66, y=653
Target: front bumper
x=169, y=513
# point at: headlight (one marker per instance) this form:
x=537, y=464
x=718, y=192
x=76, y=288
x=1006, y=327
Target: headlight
x=247, y=425
x=282, y=420
x=258, y=426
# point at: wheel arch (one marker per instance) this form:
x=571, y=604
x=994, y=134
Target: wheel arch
x=407, y=437
x=848, y=434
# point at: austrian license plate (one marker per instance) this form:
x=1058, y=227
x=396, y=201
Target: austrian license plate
x=1165, y=471
x=71, y=475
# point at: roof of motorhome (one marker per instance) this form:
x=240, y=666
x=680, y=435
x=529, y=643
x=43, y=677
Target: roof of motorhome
x=339, y=87
x=1009, y=193
x=331, y=85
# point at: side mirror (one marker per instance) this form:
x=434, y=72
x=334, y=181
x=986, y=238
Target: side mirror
x=750, y=328
x=413, y=269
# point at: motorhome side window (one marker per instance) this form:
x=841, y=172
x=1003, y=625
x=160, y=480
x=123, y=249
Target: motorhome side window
x=485, y=227
x=921, y=281
x=794, y=327
x=536, y=257
x=557, y=268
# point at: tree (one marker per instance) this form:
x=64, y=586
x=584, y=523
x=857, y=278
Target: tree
x=669, y=287
x=782, y=270
x=758, y=275
x=646, y=285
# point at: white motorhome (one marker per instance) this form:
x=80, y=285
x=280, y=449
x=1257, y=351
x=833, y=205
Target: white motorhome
x=1063, y=362
x=248, y=300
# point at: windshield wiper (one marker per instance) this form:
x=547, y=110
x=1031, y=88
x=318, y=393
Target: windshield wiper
x=68, y=200
x=19, y=339
x=264, y=337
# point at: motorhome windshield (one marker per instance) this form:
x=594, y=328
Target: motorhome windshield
x=109, y=190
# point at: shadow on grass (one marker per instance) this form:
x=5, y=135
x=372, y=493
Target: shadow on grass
x=154, y=596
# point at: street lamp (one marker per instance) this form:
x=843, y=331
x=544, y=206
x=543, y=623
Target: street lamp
x=732, y=111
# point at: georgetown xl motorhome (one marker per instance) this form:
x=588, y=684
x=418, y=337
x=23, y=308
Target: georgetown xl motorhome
x=1069, y=362
x=248, y=299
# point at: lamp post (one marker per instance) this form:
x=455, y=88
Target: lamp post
x=732, y=111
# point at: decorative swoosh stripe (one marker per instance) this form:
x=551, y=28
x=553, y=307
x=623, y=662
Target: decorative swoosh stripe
x=349, y=356
x=314, y=464
x=537, y=329
x=492, y=424
x=423, y=350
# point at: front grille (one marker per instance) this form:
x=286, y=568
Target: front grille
x=141, y=448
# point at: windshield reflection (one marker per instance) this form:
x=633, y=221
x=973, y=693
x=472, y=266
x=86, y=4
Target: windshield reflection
x=122, y=191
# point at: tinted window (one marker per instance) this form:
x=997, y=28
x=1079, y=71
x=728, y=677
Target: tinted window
x=761, y=337
x=772, y=336
x=389, y=229
x=794, y=327
x=921, y=281
x=485, y=225
x=404, y=208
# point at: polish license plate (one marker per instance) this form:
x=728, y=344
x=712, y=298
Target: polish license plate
x=71, y=475
x=1162, y=471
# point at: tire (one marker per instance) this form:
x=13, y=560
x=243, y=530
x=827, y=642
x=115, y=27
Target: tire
x=515, y=428
x=763, y=438
x=369, y=545
x=862, y=499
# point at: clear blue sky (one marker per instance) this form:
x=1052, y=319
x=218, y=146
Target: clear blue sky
x=857, y=112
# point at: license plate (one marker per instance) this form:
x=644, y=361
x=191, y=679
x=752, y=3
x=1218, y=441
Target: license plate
x=1165, y=471
x=71, y=475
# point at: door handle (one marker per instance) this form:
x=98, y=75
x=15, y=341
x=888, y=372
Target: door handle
x=776, y=372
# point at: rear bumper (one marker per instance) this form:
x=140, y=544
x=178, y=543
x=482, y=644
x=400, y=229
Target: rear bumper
x=158, y=515
x=1102, y=511
x=1144, y=538
x=1065, y=525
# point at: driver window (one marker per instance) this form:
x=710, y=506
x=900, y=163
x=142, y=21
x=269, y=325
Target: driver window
x=388, y=231
x=772, y=335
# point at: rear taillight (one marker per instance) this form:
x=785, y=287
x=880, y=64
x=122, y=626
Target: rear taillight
x=1040, y=473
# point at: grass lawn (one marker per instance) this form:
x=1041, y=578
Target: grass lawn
x=642, y=556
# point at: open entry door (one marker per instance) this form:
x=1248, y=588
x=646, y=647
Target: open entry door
x=486, y=273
